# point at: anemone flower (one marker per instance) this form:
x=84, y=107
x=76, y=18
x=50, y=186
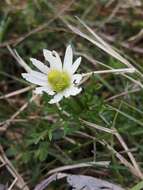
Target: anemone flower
x=58, y=79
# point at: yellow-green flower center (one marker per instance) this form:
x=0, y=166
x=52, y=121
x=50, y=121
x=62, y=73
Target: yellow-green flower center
x=59, y=80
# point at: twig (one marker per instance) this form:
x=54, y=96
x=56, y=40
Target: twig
x=80, y=165
x=70, y=140
x=99, y=42
x=18, y=180
x=95, y=126
x=122, y=160
x=49, y=118
x=94, y=62
x=17, y=92
x=117, y=154
x=61, y=109
x=19, y=59
x=136, y=38
x=124, y=145
x=13, y=183
x=8, y=122
x=116, y=71
x=49, y=180
x=130, y=155
x=123, y=44
x=122, y=142
x=122, y=94
x=112, y=15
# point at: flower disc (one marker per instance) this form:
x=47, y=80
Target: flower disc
x=59, y=80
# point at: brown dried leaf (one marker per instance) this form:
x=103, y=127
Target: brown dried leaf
x=90, y=183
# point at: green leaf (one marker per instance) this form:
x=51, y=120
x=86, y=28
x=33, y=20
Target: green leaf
x=139, y=186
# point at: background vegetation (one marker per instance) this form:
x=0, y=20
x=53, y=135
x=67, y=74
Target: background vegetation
x=43, y=137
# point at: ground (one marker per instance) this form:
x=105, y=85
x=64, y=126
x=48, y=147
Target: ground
x=104, y=122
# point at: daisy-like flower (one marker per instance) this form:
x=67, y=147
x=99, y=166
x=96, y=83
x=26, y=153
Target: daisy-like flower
x=59, y=79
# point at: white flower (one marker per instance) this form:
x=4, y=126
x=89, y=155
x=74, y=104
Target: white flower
x=59, y=79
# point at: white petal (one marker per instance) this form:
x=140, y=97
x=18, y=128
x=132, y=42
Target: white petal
x=76, y=78
x=41, y=66
x=68, y=59
x=53, y=58
x=72, y=91
x=40, y=90
x=67, y=93
x=56, y=98
x=75, y=90
x=38, y=75
x=76, y=65
x=33, y=79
